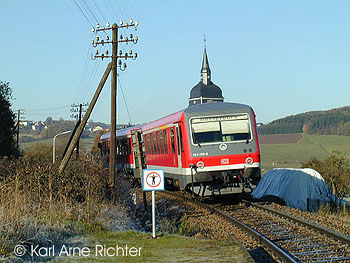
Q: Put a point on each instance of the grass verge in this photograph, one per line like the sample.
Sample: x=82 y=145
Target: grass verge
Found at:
x=165 y=248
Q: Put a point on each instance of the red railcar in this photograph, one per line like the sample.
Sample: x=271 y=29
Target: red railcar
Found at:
x=209 y=148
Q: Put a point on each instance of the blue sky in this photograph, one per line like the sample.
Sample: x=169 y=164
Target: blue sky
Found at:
x=280 y=57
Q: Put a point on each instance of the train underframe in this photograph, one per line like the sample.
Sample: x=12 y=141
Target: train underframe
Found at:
x=217 y=182
x=213 y=183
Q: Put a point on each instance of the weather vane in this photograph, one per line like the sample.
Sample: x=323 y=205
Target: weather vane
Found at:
x=205 y=41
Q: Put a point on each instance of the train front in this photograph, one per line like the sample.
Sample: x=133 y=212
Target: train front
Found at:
x=223 y=148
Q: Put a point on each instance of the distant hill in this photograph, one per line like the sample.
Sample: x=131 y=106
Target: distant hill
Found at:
x=335 y=121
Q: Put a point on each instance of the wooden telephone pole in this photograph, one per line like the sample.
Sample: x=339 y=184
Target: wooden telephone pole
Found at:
x=113 y=105
x=112 y=67
x=18 y=127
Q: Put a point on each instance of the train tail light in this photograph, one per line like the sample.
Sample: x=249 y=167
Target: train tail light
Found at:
x=200 y=165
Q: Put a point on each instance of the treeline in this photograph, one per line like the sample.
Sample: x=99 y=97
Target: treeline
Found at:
x=335 y=121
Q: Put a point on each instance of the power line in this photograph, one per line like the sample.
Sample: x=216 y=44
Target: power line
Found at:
x=76 y=17
x=99 y=10
x=48 y=109
x=89 y=10
x=126 y=105
x=83 y=13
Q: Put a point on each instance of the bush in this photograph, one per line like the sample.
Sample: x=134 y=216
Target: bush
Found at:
x=35 y=198
x=335 y=170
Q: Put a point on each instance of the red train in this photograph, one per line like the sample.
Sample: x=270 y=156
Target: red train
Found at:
x=209 y=148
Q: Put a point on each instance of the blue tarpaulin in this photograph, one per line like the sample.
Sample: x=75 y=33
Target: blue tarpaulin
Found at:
x=294 y=186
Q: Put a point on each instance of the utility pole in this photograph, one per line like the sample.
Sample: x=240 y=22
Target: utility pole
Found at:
x=81 y=126
x=18 y=124
x=17 y=127
x=78 y=116
x=115 y=56
x=111 y=65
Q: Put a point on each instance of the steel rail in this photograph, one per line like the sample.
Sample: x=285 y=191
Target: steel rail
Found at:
x=321 y=229
x=281 y=253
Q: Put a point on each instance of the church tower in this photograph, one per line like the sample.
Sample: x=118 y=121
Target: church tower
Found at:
x=205 y=91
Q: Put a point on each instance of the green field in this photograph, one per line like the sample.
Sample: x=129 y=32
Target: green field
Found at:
x=292 y=155
x=273 y=155
x=85 y=143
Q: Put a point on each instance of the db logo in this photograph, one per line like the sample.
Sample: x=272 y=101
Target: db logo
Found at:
x=225 y=161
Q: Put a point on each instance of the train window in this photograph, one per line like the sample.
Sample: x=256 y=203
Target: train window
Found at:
x=221 y=129
x=161 y=141
x=235 y=130
x=206 y=132
x=181 y=145
x=165 y=142
x=117 y=150
x=130 y=146
x=158 y=143
x=122 y=143
x=146 y=143
x=149 y=144
x=172 y=140
x=154 y=135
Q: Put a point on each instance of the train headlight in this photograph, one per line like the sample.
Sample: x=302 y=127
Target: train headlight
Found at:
x=249 y=161
x=200 y=165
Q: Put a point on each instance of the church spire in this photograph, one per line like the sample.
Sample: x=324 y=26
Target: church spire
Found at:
x=205 y=72
x=205 y=91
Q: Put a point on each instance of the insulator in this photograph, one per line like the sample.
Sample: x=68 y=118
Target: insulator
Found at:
x=121 y=36
x=136 y=38
x=131 y=36
x=108 y=24
x=120 y=52
x=126 y=56
x=92 y=41
x=97 y=38
x=135 y=55
x=107 y=37
x=131 y=21
x=97 y=25
x=136 y=23
x=96 y=51
x=120 y=62
x=121 y=22
x=107 y=52
x=124 y=65
x=130 y=52
x=93 y=29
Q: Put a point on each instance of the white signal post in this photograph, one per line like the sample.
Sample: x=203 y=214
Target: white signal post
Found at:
x=153 y=180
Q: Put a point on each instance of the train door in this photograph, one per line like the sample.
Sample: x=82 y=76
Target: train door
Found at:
x=173 y=147
x=180 y=145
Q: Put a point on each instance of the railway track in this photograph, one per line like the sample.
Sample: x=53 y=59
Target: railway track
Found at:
x=290 y=238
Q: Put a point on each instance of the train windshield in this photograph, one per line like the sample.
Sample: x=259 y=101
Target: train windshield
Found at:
x=220 y=129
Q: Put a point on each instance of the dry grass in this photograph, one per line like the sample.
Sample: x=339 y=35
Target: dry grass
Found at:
x=340 y=213
x=39 y=204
